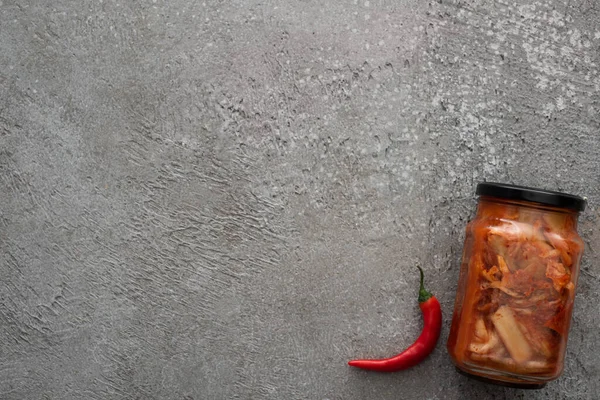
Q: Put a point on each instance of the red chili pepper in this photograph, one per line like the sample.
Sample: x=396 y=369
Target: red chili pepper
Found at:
x=421 y=348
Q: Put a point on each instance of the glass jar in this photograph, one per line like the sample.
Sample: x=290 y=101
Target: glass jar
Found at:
x=517 y=285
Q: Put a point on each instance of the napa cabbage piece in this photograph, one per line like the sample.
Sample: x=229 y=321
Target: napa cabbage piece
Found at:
x=510 y=333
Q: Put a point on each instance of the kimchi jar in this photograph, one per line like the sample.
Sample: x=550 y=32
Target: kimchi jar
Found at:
x=517 y=285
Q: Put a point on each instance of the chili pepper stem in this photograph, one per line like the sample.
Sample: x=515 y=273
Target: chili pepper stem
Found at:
x=424 y=295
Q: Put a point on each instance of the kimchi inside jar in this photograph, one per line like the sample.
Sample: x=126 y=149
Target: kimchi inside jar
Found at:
x=517 y=285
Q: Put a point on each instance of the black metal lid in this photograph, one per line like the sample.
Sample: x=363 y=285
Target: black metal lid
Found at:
x=547 y=197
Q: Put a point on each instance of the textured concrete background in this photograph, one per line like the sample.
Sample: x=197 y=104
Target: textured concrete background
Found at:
x=225 y=199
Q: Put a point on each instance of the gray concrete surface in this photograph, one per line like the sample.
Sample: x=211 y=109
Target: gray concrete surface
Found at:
x=225 y=199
